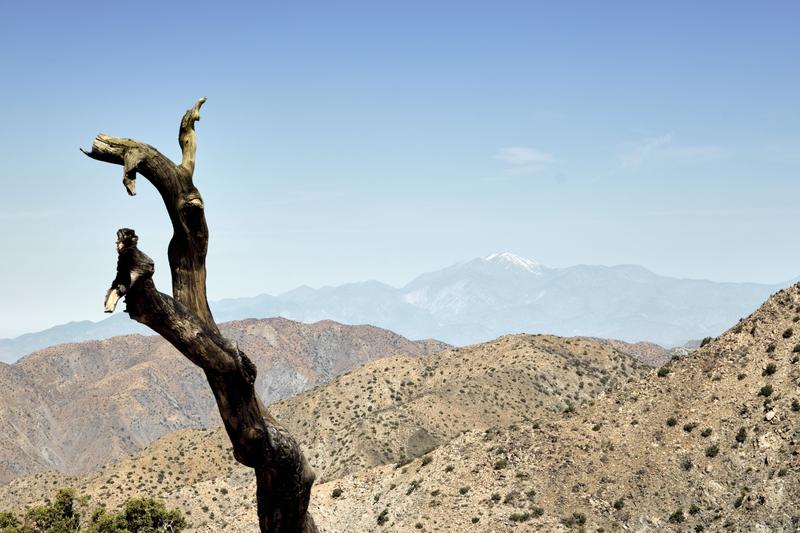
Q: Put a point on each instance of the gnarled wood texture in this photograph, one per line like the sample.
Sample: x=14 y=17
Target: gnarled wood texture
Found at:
x=284 y=477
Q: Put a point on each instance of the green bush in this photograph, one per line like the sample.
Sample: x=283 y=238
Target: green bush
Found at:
x=662 y=372
x=8 y=521
x=741 y=435
x=769 y=369
x=671 y=421
x=336 y=493
x=139 y=515
x=712 y=450
x=788 y=332
x=706 y=341
x=766 y=390
x=55 y=517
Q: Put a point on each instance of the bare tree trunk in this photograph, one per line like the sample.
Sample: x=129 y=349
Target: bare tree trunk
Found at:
x=284 y=477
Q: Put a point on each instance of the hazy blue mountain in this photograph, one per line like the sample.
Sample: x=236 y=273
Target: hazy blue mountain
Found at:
x=478 y=300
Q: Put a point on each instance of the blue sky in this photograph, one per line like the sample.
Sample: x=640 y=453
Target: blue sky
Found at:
x=345 y=141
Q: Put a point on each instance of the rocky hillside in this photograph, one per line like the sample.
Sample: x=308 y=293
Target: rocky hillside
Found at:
x=709 y=443
x=74 y=407
x=386 y=412
x=650 y=353
x=398 y=408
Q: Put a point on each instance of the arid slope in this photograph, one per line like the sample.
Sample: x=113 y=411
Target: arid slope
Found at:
x=387 y=411
x=74 y=407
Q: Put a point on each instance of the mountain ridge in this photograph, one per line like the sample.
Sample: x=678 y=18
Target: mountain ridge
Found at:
x=76 y=406
x=481 y=299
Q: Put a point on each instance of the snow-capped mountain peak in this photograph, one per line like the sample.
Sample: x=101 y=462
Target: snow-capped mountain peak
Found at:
x=510 y=259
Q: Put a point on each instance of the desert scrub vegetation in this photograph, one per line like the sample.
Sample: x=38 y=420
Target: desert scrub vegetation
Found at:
x=500 y=464
x=576 y=519
x=741 y=435
x=68 y=511
x=383 y=517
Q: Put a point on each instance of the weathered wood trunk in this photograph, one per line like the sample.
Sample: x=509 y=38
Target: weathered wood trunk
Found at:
x=284 y=477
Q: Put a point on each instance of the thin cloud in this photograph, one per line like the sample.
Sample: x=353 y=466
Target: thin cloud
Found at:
x=661 y=147
x=640 y=151
x=524 y=160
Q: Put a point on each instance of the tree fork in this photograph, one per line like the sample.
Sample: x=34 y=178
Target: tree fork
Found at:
x=283 y=476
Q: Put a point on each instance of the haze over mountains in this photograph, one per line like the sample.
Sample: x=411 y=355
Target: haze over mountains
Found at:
x=481 y=299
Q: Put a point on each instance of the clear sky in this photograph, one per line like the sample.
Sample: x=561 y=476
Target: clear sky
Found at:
x=345 y=141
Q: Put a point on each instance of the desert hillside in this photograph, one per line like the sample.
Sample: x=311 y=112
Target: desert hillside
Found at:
x=388 y=411
x=709 y=443
x=74 y=407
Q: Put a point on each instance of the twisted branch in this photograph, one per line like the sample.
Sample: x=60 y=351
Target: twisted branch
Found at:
x=284 y=477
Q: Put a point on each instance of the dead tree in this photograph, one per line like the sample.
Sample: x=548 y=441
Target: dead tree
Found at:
x=283 y=475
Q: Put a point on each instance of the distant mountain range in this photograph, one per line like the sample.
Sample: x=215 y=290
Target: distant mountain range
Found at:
x=481 y=299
